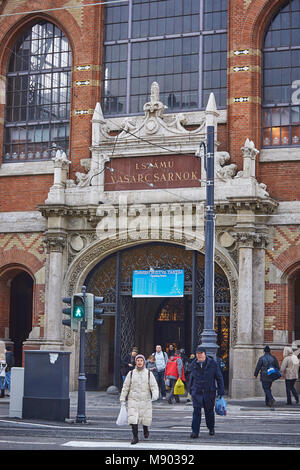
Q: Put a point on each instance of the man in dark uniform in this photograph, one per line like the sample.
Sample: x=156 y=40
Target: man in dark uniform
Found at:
x=205 y=372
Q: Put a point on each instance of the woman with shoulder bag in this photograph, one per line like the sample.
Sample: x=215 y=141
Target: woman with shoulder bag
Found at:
x=140 y=387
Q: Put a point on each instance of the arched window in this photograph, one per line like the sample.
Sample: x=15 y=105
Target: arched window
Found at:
x=281 y=79
x=181 y=44
x=37 y=95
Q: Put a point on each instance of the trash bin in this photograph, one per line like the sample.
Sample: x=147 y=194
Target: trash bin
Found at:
x=46 y=385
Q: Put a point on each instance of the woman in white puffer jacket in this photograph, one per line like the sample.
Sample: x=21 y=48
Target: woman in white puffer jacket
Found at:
x=141 y=388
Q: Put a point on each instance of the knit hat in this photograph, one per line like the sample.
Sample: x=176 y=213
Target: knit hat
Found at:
x=267 y=349
x=200 y=349
x=140 y=356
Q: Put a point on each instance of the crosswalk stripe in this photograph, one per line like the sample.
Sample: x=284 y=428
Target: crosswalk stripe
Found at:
x=113 y=445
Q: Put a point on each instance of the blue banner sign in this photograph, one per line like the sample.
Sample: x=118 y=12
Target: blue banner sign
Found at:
x=158 y=283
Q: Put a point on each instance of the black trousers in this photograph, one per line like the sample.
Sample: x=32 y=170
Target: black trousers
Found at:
x=209 y=411
x=289 y=386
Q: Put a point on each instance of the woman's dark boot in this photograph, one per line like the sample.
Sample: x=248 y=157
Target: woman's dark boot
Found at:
x=2 y=394
x=146 y=432
x=135 y=438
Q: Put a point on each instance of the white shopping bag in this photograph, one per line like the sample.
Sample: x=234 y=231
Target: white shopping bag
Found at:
x=122 y=418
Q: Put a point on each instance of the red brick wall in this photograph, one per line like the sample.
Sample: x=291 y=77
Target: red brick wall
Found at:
x=23 y=193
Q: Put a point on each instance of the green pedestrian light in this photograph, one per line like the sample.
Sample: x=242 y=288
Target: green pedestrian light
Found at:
x=78 y=307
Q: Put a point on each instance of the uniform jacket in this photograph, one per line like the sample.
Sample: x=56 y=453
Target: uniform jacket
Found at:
x=137 y=387
x=205 y=379
x=290 y=364
x=264 y=363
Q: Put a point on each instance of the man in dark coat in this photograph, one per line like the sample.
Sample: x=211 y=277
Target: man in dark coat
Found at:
x=264 y=363
x=128 y=362
x=205 y=372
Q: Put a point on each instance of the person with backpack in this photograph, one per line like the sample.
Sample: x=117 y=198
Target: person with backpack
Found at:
x=264 y=363
x=140 y=388
x=161 y=360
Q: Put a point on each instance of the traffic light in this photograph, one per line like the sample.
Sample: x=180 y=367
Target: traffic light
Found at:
x=75 y=311
x=98 y=311
x=92 y=313
x=67 y=311
x=78 y=307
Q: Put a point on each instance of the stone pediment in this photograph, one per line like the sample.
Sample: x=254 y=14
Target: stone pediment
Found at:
x=142 y=131
x=156 y=134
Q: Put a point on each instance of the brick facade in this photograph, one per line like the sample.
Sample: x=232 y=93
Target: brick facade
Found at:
x=248 y=20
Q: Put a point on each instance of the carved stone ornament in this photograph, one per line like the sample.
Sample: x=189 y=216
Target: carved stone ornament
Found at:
x=55 y=243
x=153 y=123
x=250 y=239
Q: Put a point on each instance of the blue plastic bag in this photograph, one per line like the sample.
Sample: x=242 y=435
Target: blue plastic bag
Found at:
x=274 y=373
x=220 y=407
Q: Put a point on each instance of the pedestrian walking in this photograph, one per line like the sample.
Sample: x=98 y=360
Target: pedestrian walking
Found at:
x=140 y=388
x=187 y=373
x=171 y=350
x=2 y=378
x=290 y=369
x=161 y=360
x=151 y=365
x=10 y=362
x=174 y=371
x=264 y=363
x=205 y=380
x=128 y=362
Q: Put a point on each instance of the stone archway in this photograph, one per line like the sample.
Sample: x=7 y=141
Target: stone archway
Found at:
x=97 y=252
x=17 y=295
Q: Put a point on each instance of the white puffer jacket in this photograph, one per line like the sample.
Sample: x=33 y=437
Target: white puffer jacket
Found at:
x=137 y=387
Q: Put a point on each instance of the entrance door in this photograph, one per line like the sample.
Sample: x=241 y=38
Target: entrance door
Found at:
x=20 y=323
x=171 y=325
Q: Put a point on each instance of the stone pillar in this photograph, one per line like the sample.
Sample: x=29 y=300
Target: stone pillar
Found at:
x=259 y=273
x=243 y=383
x=244 y=332
x=53 y=305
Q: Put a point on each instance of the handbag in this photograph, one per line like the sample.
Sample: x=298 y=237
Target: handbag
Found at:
x=179 y=388
x=274 y=373
x=220 y=407
x=122 y=418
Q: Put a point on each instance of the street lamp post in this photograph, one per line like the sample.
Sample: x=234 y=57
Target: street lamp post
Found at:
x=81 y=418
x=208 y=336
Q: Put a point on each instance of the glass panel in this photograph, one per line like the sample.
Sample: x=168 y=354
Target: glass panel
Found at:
x=285 y=136
x=155 y=59
x=281 y=83
x=41 y=93
x=295 y=135
x=267 y=136
x=276 y=136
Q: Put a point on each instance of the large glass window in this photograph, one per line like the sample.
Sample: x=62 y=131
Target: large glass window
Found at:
x=38 y=95
x=181 y=44
x=281 y=79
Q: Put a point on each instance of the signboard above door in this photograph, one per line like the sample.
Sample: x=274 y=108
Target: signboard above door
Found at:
x=158 y=283
x=172 y=171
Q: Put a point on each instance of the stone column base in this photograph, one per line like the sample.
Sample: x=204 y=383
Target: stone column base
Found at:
x=243 y=364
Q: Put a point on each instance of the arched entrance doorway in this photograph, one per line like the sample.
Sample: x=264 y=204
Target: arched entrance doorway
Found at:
x=20 y=318
x=132 y=322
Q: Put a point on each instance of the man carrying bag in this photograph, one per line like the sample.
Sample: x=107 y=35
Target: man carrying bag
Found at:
x=205 y=373
x=266 y=362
